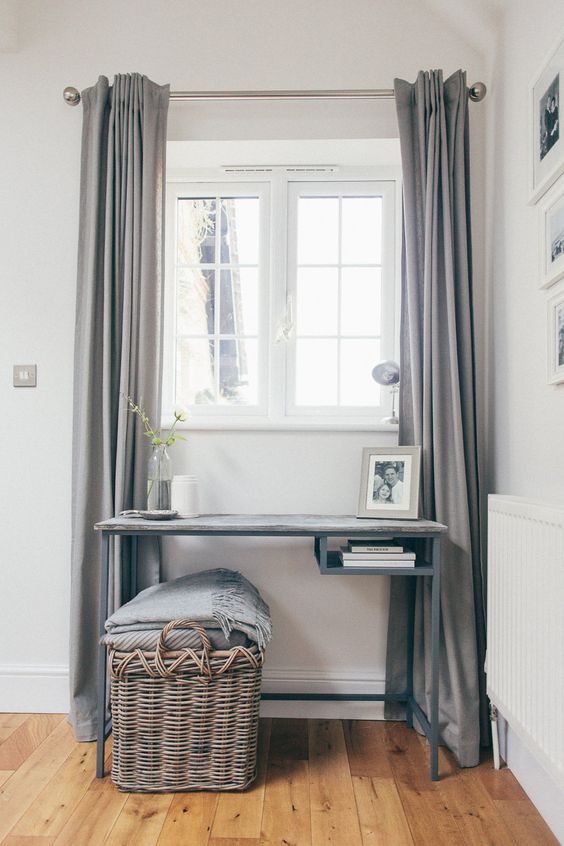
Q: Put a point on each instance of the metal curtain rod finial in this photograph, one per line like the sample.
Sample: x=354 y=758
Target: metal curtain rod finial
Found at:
x=71 y=96
x=476 y=93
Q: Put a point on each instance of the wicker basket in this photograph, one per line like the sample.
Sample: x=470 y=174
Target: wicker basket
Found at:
x=185 y=720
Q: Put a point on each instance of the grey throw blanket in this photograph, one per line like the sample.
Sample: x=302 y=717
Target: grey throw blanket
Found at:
x=177 y=639
x=214 y=598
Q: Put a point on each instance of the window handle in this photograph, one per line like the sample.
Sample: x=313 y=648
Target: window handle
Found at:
x=286 y=327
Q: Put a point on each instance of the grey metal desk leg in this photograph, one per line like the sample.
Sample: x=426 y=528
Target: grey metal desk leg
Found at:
x=103 y=614
x=133 y=567
x=435 y=632
x=411 y=587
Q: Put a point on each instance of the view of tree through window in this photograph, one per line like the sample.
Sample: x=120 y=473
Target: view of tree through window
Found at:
x=217 y=300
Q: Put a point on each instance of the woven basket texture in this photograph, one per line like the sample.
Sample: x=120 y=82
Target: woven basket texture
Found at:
x=185 y=720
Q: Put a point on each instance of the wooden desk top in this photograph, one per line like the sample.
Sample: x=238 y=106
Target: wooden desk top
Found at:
x=305 y=525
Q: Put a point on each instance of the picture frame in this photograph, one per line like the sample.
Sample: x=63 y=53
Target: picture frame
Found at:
x=551 y=235
x=546 y=132
x=389 y=483
x=555 y=334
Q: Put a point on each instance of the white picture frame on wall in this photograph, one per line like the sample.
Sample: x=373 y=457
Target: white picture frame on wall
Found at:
x=551 y=235
x=555 y=335
x=546 y=131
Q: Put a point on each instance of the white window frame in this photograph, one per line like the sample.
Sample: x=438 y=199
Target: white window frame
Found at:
x=364 y=188
x=275 y=184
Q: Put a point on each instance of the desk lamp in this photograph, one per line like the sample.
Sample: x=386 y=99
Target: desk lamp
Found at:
x=387 y=373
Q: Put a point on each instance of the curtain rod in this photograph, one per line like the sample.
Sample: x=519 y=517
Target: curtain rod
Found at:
x=476 y=93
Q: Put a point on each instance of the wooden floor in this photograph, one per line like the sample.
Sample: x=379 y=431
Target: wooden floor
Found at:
x=320 y=782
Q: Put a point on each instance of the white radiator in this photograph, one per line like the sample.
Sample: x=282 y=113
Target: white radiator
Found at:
x=525 y=658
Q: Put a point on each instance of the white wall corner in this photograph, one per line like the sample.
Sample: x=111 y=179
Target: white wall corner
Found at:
x=475 y=22
x=34 y=689
x=8 y=26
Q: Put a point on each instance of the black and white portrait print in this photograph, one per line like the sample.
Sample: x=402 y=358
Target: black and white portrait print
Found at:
x=549 y=125
x=557 y=233
x=560 y=338
x=388 y=485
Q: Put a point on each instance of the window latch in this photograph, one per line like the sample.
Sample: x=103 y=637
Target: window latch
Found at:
x=286 y=327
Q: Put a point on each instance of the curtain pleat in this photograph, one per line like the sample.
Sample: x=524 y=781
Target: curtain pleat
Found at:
x=438 y=405
x=118 y=347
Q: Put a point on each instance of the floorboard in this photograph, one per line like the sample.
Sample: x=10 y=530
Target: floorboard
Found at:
x=320 y=783
x=26 y=738
x=334 y=818
x=9 y=723
x=27 y=782
x=189 y=820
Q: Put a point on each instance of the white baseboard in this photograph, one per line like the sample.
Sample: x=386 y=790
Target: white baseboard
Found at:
x=536 y=781
x=34 y=689
x=288 y=680
x=43 y=689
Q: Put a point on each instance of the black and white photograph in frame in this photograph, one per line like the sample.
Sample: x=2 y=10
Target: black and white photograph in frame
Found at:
x=556 y=336
x=549 y=124
x=389 y=486
x=551 y=235
x=546 y=131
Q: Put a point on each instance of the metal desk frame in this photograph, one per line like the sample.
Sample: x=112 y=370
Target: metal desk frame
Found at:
x=320 y=529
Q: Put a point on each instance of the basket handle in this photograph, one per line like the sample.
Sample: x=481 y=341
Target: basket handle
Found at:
x=184 y=624
x=202 y=661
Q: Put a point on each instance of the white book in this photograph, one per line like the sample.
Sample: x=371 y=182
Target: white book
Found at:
x=367 y=547
x=347 y=555
x=380 y=565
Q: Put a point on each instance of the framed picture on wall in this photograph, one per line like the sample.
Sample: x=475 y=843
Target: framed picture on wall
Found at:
x=389 y=483
x=551 y=235
x=546 y=131
x=555 y=320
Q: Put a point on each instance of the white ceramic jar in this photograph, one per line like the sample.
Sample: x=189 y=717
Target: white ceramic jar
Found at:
x=185 y=496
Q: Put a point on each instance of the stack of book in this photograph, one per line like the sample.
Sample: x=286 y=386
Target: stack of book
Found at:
x=376 y=553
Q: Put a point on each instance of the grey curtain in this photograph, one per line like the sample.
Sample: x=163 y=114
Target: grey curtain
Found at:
x=118 y=346
x=438 y=406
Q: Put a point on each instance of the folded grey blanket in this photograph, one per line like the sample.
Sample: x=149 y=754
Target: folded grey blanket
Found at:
x=147 y=640
x=214 y=598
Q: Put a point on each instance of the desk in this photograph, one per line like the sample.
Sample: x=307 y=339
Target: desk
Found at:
x=320 y=529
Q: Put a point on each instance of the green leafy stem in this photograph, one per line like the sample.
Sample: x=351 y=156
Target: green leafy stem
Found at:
x=155 y=435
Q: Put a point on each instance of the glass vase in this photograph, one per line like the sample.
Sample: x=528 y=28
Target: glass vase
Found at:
x=159 y=478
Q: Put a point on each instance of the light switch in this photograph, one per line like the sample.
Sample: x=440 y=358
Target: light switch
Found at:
x=25 y=375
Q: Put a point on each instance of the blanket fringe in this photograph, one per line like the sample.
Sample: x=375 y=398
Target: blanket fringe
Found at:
x=230 y=606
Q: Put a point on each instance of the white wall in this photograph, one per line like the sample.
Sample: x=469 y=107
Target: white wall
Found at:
x=528 y=413
x=527 y=447
x=193 y=45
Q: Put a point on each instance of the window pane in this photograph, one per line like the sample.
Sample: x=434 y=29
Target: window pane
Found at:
x=195 y=372
x=239 y=301
x=361 y=230
x=196 y=231
x=240 y=230
x=318 y=230
x=195 y=301
x=317 y=301
x=316 y=372
x=238 y=366
x=357 y=361
x=360 y=300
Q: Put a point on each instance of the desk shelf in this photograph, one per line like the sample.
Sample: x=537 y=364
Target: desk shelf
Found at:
x=334 y=567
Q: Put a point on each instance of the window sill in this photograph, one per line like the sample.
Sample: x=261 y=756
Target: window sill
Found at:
x=265 y=425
